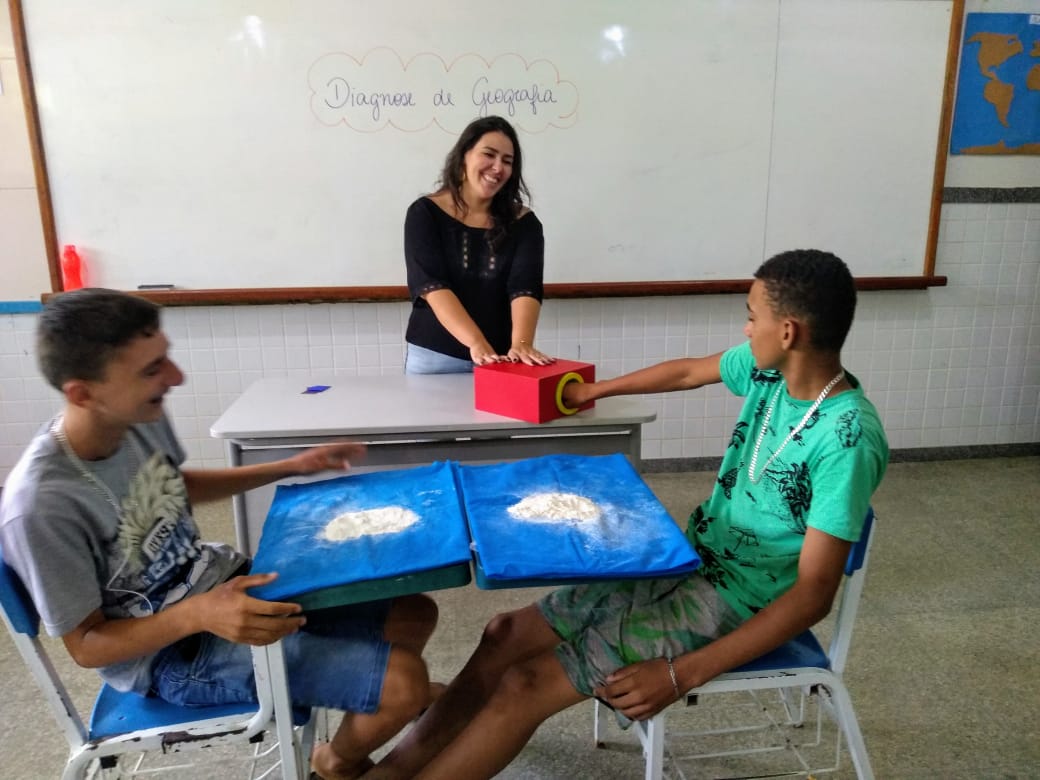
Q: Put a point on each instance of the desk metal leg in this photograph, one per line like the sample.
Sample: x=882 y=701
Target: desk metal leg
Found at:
x=238 y=502
x=292 y=769
x=271 y=657
x=635 y=447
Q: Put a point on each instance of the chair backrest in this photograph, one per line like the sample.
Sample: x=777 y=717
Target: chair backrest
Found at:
x=14 y=599
x=23 y=623
x=858 y=554
x=848 y=603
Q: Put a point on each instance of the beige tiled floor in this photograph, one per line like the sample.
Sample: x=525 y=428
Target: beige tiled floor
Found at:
x=945 y=663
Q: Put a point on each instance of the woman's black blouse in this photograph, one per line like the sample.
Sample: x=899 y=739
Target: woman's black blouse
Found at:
x=441 y=252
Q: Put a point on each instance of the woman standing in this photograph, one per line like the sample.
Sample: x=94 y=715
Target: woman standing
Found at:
x=474 y=255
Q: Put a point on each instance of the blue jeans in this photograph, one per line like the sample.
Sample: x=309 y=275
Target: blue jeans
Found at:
x=419 y=360
x=338 y=660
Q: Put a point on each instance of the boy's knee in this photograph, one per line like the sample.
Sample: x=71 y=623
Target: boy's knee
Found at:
x=406 y=685
x=502 y=630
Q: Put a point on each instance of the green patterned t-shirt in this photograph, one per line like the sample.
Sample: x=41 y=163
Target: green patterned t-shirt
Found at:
x=749 y=535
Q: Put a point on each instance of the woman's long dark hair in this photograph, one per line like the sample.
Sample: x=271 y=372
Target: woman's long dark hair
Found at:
x=508 y=201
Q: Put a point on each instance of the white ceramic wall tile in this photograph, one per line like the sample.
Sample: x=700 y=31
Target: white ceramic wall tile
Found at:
x=344 y=359
x=272 y=326
x=250 y=358
x=275 y=362
x=202 y=359
x=202 y=384
x=222 y=332
x=297 y=357
x=320 y=358
x=319 y=326
x=294 y=327
x=391 y=356
x=198 y=326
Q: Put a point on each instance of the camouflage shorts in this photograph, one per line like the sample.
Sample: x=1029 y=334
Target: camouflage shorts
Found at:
x=608 y=625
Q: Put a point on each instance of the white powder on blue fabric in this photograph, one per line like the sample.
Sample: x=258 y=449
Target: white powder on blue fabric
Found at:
x=368 y=522
x=555 y=507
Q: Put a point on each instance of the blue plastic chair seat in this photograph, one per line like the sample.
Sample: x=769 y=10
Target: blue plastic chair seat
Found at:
x=120 y=713
x=803 y=650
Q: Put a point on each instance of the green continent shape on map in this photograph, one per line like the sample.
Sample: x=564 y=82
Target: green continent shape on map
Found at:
x=994 y=50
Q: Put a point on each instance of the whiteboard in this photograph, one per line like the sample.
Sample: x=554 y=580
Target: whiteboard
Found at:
x=269 y=144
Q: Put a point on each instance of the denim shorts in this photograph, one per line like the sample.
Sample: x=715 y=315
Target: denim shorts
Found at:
x=419 y=360
x=337 y=660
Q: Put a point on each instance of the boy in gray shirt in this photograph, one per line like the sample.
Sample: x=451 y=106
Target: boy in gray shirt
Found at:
x=96 y=519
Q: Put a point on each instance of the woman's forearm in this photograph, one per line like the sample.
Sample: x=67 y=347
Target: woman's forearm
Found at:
x=525 y=311
x=450 y=313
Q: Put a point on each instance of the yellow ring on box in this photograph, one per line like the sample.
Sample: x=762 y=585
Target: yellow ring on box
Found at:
x=570 y=376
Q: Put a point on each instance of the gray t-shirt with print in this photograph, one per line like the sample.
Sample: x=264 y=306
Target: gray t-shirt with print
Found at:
x=61 y=532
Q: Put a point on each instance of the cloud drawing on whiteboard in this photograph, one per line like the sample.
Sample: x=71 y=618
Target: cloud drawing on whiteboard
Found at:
x=381 y=90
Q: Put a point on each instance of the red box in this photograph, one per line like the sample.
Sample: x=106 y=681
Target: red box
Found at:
x=530 y=393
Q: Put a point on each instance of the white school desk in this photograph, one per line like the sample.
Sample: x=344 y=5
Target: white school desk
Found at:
x=406 y=421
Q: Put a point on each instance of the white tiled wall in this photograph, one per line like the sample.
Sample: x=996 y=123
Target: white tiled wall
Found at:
x=949 y=366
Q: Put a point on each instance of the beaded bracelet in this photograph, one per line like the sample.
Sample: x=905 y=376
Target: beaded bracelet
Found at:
x=675 y=680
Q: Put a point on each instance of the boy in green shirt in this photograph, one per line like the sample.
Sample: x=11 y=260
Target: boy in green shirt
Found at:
x=806 y=454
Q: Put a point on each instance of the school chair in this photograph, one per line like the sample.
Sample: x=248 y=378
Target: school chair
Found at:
x=796 y=671
x=125 y=728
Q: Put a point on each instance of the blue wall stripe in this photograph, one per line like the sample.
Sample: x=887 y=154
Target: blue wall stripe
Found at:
x=20 y=307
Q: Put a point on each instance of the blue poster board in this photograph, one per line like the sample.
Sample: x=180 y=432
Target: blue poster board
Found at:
x=997 y=110
x=562 y=518
x=322 y=535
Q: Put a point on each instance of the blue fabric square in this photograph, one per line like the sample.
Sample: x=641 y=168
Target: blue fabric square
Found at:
x=294 y=542
x=632 y=536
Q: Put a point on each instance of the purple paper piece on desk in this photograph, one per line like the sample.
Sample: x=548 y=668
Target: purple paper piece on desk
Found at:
x=316 y=389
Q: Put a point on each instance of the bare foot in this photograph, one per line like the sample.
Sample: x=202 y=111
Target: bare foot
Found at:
x=327 y=765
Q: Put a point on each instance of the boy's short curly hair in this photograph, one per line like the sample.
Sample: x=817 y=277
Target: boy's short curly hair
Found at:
x=816 y=287
x=79 y=331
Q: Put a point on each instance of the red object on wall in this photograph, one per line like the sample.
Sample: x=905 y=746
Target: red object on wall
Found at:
x=71 y=268
x=530 y=393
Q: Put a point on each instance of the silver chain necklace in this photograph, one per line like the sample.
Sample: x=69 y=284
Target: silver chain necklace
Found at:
x=794 y=431
x=58 y=432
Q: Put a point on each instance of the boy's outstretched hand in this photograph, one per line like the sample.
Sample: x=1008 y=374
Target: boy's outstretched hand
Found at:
x=577 y=394
x=335 y=457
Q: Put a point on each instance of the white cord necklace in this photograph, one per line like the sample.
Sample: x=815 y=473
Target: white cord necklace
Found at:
x=792 y=434
x=58 y=432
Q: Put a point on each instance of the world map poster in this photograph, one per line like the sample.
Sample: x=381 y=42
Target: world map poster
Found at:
x=997 y=110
